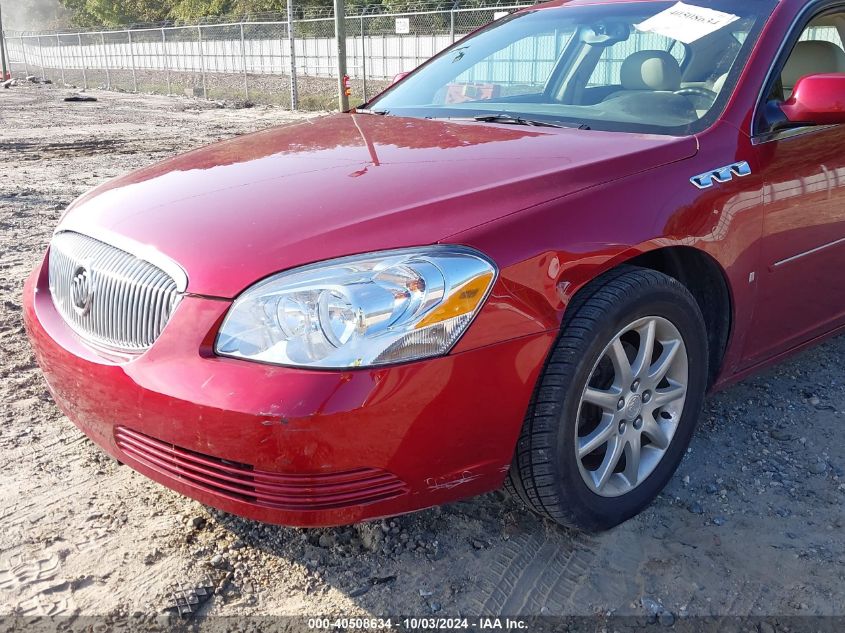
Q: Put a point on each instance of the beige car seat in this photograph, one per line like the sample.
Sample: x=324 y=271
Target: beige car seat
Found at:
x=811 y=57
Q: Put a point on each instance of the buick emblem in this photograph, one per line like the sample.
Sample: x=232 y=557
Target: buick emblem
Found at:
x=82 y=290
x=634 y=406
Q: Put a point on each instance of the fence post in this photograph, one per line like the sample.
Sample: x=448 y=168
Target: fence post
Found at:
x=5 y=62
x=41 y=57
x=23 y=51
x=82 y=59
x=416 y=46
x=294 y=92
x=61 y=57
x=132 y=61
x=340 y=36
x=166 y=60
x=4 y=68
x=452 y=24
x=106 y=59
x=202 y=62
x=243 y=63
x=363 y=59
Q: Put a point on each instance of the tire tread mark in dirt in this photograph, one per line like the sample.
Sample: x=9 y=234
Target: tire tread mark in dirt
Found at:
x=555 y=581
x=571 y=572
x=517 y=555
x=534 y=569
x=71 y=148
x=546 y=553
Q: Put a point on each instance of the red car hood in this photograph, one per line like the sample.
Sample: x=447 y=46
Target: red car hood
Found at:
x=239 y=210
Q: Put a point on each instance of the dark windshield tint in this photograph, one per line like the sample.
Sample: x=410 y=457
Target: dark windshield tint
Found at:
x=657 y=67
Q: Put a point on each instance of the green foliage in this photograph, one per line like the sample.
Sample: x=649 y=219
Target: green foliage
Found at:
x=259 y=6
x=126 y=12
x=117 y=12
x=187 y=10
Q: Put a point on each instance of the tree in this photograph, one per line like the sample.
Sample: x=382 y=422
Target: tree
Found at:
x=117 y=12
x=188 y=10
x=126 y=12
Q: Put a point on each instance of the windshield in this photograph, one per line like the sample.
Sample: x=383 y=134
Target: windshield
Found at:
x=656 y=67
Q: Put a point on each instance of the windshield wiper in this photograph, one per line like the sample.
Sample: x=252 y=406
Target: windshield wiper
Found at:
x=513 y=119
x=518 y=120
x=370 y=111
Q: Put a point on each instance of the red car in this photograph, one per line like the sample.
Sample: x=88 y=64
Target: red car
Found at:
x=524 y=264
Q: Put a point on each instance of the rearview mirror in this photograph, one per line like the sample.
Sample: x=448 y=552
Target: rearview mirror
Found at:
x=817 y=100
x=604 y=33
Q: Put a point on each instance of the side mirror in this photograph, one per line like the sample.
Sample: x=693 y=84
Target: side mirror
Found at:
x=817 y=100
x=400 y=77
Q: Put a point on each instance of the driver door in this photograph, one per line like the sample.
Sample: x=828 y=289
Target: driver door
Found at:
x=801 y=292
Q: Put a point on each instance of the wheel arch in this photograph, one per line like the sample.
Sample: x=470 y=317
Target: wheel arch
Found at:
x=708 y=283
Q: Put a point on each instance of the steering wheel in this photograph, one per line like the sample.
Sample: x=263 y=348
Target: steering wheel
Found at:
x=700 y=98
x=695 y=91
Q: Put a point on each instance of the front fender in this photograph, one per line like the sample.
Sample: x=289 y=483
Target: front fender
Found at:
x=549 y=252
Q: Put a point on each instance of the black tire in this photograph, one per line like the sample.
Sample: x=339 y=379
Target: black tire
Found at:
x=545 y=473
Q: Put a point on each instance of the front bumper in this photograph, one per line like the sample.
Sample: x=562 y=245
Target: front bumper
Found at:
x=289 y=446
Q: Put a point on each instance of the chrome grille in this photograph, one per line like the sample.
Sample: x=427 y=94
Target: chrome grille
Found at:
x=111 y=298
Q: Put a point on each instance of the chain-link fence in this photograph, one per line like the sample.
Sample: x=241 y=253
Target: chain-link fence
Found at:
x=259 y=61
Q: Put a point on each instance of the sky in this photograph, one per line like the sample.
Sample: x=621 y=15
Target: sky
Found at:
x=30 y=15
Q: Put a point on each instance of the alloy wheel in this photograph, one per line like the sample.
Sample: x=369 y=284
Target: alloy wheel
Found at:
x=631 y=406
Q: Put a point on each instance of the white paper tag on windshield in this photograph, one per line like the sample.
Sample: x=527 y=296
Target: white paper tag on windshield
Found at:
x=686 y=22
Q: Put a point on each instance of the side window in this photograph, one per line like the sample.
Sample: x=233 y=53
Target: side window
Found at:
x=607 y=70
x=523 y=67
x=818 y=50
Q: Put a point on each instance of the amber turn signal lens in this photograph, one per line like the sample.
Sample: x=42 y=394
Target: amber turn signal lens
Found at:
x=463 y=301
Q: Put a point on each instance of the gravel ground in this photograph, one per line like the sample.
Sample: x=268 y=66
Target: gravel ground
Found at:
x=752 y=524
x=315 y=93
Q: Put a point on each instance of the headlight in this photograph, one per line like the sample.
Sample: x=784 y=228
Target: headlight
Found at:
x=360 y=311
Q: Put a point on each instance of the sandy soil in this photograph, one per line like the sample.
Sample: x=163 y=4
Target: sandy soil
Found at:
x=751 y=524
x=315 y=93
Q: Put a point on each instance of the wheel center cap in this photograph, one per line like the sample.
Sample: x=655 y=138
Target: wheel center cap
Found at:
x=634 y=406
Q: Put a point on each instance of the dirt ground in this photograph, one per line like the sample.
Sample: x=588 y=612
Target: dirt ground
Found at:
x=752 y=524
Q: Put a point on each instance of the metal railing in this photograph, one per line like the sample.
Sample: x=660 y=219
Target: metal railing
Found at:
x=290 y=63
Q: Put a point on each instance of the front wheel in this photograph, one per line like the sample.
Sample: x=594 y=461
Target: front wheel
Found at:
x=617 y=402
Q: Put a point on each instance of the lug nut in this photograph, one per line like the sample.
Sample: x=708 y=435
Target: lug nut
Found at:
x=621 y=427
x=638 y=423
x=635 y=386
x=620 y=404
x=646 y=396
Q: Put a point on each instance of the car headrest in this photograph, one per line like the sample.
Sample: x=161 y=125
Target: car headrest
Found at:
x=810 y=58
x=650 y=70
